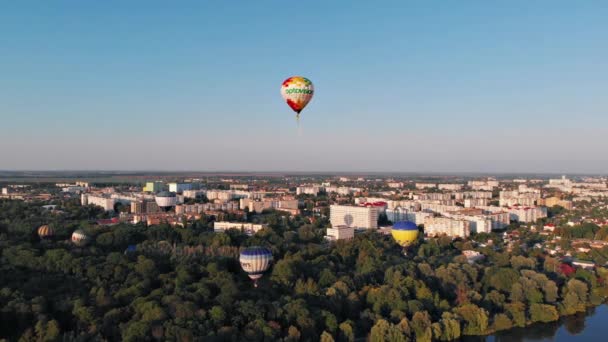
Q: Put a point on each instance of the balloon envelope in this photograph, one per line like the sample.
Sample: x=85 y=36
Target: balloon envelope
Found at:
x=405 y=233
x=255 y=261
x=297 y=92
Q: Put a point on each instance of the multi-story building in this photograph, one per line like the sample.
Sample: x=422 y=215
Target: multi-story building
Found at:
x=552 y=201
x=452 y=187
x=435 y=196
x=475 y=202
x=193 y=193
x=418 y=217
x=309 y=190
x=138 y=207
x=355 y=217
x=178 y=188
x=436 y=226
x=527 y=214
x=248 y=228
x=472 y=194
x=490 y=182
x=152 y=207
x=510 y=198
x=395 y=185
x=101 y=201
x=438 y=208
x=426 y=185
x=245 y=187
x=340 y=233
x=154 y=187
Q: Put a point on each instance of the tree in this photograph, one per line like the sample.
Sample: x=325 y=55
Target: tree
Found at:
x=421 y=324
x=476 y=319
x=543 y=313
x=346 y=332
x=326 y=337
x=501 y=322
x=385 y=331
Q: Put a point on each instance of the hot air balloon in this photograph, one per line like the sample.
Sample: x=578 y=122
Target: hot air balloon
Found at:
x=80 y=238
x=255 y=261
x=297 y=92
x=405 y=233
x=45 y=232
x=165 y=200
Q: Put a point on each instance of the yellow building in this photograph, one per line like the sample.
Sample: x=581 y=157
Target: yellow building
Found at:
x=154 y=187
x=551 y=201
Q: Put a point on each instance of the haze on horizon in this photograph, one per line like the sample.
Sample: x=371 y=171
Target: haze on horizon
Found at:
x=470 y=86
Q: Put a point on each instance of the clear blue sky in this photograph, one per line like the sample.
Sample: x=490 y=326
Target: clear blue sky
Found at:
x=400 y=85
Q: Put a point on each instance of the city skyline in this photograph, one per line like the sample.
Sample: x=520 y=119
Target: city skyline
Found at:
x=472 y=87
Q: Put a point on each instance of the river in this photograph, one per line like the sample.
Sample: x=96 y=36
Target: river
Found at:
x=588 y=327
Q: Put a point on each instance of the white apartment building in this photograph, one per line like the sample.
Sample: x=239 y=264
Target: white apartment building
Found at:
x=438 y=208
x=309 y=190
x=477 y=224
x=417 y=217
x=340 y=233
x=488 y=182
x=525 y=188
x=510 y=198
x=193 y=193
x=355 y=217
x=436 y=226
x=484 y=187
x=248 y=228
x=472 y=194
x=178 y=188
x=452 y=187
x=475 y=202
x=395 y=185
x=106 y=203
x=226 y=195
x=436 y=196
x=527 y=214
x=426 y=185
x=342 y=190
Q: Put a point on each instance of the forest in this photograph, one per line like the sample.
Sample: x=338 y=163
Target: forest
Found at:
x=138 y=283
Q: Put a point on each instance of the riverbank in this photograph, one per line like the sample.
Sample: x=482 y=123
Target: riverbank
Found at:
x=586 y=326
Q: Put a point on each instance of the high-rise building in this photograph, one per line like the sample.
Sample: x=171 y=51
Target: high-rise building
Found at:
x=436 y=226
x=352 y=216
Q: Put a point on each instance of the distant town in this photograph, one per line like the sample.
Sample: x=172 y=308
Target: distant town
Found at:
x=352 y=204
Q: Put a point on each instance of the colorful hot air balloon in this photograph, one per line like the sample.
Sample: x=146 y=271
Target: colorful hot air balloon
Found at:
x=255 y=261
x=80 y=238
x=405 y=233
x=297 y=92
x=46 y=232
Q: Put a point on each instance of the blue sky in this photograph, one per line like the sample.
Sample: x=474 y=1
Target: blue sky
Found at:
x=400 y=85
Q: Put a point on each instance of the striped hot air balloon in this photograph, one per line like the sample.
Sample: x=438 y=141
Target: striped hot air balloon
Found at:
x=255 y=261
x=80 y=238
x=405 y=233
x=46 y=232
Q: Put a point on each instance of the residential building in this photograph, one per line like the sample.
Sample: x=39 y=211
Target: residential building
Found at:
x=248 y=228
x=340 y=233
x=437 y=226
x=154 y=187
x=426 y=185
x=101 y=201
x=452 y=187
x=354 y=216
x=178 y=188
x=475 y=202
